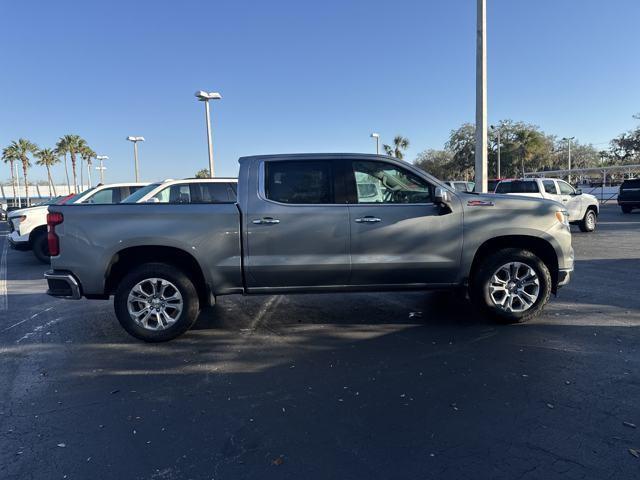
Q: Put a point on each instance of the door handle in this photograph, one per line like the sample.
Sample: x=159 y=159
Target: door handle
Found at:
x=565 y=199
x=368 y=219
x=266 y=221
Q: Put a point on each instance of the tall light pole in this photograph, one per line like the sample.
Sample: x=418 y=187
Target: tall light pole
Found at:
x=498 y=131
x=377 y=137
x=569 y=140
x=481 y=98
x=101 y=168
x=135 y=141
x=205 y=97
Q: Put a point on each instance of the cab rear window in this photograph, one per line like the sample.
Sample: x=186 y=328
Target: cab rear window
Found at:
x=517 y=187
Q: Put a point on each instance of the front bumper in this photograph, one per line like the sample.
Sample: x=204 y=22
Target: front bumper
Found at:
x=63 y=285
x=564 y=276
x=17 y=242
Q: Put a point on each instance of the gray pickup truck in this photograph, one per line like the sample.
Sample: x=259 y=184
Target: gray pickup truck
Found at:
x=310 y=223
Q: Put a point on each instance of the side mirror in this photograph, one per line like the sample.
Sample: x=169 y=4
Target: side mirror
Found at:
x=152 y=200
x=578 y=191
x=441 y=196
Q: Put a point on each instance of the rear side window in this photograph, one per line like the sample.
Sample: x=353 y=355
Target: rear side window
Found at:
x=549 y=186
x=517 y=187
x=299 y=182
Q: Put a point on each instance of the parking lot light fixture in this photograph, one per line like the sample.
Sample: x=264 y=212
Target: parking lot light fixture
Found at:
x=135 y=141
x=569 y=140
x=377 y=137
x=101 y=167
x=203 y=96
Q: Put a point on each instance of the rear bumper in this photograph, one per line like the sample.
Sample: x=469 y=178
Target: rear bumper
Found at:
x=63 y=285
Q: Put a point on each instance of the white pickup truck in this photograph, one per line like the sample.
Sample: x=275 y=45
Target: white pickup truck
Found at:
x=583 y=208
x=28 y=226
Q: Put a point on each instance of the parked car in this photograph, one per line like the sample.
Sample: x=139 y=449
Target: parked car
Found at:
x=301 y=224
x=190 y=190
x=28 y=226
x=583 y=208
x=493 y=183
x=461 y=186
x=629 y=195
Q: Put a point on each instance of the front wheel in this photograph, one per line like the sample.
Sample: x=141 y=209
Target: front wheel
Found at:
x=626 y=209
x=156 y=302
x=40 y=247
x=511 y=285
x=588 y=222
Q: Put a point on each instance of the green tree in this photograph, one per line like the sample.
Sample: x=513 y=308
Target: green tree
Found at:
x=62 y=149
x=400 y=144
x=87 y=155
x=72 y=144
x=625 y=148
x=436 y=162
x=23 y=149
x=204 y=173
x=47 y=157
x=10 y=156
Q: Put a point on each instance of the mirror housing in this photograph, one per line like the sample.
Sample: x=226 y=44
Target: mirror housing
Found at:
x=578 y=191
x=152 y=200
x=441 y=196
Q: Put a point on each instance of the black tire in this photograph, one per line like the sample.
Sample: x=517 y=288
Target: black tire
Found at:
x=626 y=209
x=184 y=320
x=589 y=221
x=40 y=247
x=479 y=287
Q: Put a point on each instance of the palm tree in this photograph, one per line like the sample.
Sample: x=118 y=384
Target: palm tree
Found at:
x=400 y=144
x=23 y=148
x=61 y=149
x=87 y=154
x=9 y=155
x=73 y=144
x=47 y=157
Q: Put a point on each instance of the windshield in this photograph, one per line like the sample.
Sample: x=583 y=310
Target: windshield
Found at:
x=134 y=197
x=73 y=199
x=517 y=187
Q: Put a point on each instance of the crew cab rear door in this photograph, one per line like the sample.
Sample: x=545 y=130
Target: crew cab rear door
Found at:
x=399 y=236
x=297 y=226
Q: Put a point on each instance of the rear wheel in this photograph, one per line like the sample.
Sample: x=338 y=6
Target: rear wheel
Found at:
x=156 y=302
x=40 y=247
x=626 y=209
x=512 y=285
x=588 y=223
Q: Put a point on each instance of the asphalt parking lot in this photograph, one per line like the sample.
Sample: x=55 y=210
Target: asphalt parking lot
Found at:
x=394 y=385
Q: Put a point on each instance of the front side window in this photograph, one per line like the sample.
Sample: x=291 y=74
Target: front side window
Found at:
x=549 y=186
x=379 y=182
x=105 y=196
x=299 y=182
x=565 y=188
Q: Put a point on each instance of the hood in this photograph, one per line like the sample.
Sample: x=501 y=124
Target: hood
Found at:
x=507 y=202
x=27 y=211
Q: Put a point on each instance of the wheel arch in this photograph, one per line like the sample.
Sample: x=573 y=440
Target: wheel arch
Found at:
x=536 y=245
x=41 y=229
x=126 y=259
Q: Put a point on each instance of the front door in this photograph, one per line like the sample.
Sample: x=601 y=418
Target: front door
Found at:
x=398 y=235
x=571 y=201
x=297 y=231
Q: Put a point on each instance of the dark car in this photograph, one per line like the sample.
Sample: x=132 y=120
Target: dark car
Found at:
x=629 y=195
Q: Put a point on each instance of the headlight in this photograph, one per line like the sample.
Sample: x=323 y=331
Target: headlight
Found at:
x=563 y=217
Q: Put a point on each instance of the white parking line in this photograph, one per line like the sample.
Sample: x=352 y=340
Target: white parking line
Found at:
x=4 y=303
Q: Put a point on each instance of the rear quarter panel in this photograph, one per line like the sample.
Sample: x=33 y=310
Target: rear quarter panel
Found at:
x=91 y=235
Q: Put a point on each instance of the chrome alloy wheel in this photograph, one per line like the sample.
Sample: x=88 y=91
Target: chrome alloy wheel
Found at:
x=514 y=287
x=591 y=220
x=155 y=304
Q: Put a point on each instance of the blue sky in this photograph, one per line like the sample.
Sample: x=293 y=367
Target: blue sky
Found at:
x=305 y=76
